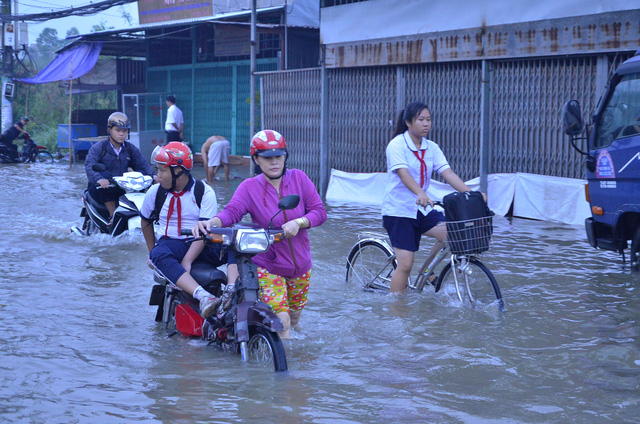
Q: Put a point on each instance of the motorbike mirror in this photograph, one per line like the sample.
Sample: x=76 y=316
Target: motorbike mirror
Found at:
x=572 y=123
x=99 y=167
x=289 y=202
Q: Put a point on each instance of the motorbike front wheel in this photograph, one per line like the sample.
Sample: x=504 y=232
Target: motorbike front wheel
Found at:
x=266 y=346
x=44 y=156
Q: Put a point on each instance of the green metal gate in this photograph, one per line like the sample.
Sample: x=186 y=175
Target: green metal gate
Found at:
x=213 y=97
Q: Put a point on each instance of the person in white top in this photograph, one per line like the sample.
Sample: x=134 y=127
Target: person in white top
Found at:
x=174 y=125
x=185 y=202
x=407 y=210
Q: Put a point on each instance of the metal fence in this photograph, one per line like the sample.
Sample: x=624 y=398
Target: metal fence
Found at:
x=213 y=97
x=290 y=104
x=525 y=102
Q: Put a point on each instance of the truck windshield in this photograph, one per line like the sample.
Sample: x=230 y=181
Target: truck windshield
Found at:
x=621 y=115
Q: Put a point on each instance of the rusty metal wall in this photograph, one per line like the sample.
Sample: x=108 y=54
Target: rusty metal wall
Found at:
x=452 y=92
x=526 y=100
x=528 y=96
x=362 y=102
x=576 y=35
x=291 y=105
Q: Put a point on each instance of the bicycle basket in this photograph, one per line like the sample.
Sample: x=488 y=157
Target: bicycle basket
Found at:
x=471 y=236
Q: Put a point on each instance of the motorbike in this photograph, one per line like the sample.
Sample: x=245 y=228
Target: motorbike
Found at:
x=247 y=325
x=126 y=216
x=31 y=152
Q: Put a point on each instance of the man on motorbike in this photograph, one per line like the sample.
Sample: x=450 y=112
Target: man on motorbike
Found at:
x=118 y=155
x=186 y=202
x=11 y=134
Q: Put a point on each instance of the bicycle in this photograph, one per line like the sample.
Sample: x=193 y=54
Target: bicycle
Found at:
x=30 y=152
x=371 y=262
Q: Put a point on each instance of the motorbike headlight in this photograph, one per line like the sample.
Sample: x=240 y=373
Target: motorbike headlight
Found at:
x=252 y=241
x=134 y=181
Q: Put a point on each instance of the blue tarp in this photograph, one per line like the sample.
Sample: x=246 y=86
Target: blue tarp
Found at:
x=83 y=58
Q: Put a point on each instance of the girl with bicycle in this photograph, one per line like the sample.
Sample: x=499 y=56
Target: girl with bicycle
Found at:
x=407 y=210
x=284 y=270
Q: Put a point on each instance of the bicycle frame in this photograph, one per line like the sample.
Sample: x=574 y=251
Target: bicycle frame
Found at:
x=427 y=269
x=429 y=266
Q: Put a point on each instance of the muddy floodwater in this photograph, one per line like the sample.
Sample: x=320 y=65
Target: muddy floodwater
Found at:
x=79 y=344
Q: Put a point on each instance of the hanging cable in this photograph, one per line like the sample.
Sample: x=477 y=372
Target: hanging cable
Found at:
x=90 y=9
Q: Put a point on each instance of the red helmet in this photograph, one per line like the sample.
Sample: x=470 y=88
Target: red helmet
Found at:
x=174 y=154
x=268 y=143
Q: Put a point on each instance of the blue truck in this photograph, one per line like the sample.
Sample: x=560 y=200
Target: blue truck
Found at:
x=612 y=161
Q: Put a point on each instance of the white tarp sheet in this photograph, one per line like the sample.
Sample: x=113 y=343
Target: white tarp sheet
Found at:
x=376 y=19
x=533 y=196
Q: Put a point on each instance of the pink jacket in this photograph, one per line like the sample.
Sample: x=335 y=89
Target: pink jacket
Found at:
x=292 y=257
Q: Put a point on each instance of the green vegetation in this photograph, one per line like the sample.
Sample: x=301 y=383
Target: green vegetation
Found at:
x=47 y=105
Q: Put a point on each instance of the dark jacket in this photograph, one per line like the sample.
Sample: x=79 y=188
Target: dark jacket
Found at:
x=12 y=132
x=102 y=152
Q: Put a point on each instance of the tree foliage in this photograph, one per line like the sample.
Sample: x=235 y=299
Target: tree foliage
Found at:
x=47 y=105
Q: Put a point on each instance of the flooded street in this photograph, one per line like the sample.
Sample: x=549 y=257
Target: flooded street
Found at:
x=80 y=344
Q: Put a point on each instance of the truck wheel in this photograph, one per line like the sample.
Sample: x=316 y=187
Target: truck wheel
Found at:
x=635 y=250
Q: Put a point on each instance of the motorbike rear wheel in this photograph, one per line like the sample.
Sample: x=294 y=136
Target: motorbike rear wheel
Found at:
x=170 y=325
x=266 y=346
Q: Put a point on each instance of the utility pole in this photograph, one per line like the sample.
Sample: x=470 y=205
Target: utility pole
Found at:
x=252 y=83
x=7 y=67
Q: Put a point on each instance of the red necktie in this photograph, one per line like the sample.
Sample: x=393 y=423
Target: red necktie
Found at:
x=423 y=166
x=171 y=204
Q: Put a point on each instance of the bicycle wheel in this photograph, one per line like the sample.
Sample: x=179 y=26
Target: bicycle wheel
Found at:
x=266 y=346
x=476 y=284
x=370 y=265
x=44 y=156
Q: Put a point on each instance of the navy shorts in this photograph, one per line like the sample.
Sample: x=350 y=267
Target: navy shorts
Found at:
x=168 y=253
x=405 y=233
x=103 y=195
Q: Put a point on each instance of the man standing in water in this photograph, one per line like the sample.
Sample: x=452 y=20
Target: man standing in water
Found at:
x=218 y=153
x=174 y=125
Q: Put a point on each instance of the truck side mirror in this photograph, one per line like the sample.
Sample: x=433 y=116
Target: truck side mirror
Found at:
x=572 y=123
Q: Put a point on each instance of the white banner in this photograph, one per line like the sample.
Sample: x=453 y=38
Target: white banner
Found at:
x=533 y=196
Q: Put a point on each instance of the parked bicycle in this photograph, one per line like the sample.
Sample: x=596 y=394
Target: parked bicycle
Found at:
x=30 y=152
x=463 y=277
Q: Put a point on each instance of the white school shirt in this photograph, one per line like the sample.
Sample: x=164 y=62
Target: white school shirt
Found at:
x=398 y=199
x=190 y=212
x=174 y=116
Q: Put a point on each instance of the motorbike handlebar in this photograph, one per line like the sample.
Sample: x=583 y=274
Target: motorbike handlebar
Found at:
x=216 y=234
x=98 y=186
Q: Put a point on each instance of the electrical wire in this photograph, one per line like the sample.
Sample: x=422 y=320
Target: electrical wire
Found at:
x=89 y=9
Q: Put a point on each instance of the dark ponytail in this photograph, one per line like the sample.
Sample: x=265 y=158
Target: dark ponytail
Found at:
x=408 y=114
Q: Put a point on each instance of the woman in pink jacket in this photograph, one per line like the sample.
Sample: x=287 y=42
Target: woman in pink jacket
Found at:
x=284 y=270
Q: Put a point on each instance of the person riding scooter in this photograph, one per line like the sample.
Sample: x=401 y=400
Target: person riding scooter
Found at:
x=117 y=155
x=11 y=134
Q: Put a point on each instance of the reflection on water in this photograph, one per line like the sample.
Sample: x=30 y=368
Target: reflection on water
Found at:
x=80 y=343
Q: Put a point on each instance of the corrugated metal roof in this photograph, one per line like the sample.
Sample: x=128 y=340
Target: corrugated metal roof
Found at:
x=185 y=22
